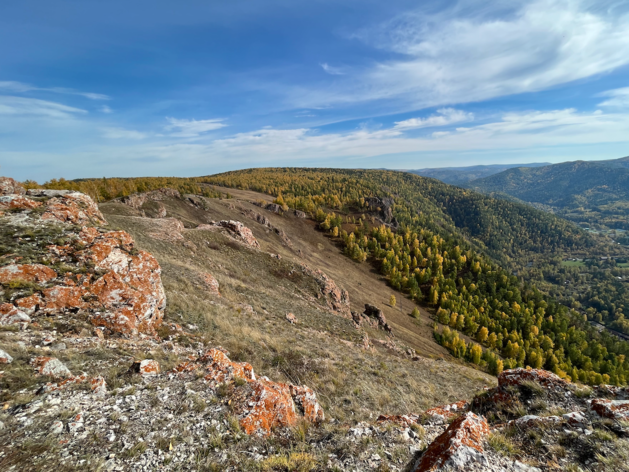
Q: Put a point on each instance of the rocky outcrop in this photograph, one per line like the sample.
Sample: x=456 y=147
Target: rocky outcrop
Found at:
x=8 y=186
x=459 y=448
x=383 y=206
x=441 y=414
x=336 y=298
x=376 y=314
x=260 y=404
x=137 y=200
x=241 y=232
x=105 y=277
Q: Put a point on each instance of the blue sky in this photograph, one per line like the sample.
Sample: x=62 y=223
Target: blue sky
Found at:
x=92 y=88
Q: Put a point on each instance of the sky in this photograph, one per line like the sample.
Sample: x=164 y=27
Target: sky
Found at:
x=161 y=88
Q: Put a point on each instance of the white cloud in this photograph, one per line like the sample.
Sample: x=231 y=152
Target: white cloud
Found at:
x=20 y=87
x=105 y=109
x=445 y=116
x=476 y=50
x=20 y=106
x=514 y=131
x=192 y=128
x=618 y=98
x=331 y=70
x=121 y=133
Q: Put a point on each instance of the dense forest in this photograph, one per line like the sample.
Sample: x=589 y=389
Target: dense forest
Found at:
x=454 y=250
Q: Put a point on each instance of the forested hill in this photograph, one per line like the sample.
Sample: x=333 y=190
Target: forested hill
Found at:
x=431 y=257
x=504 y=229
x=462 y=175
x=583 y=191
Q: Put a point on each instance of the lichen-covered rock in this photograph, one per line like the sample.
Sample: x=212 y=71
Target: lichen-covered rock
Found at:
x=241 y=231
x=98 y=386
x=263 y=405
x=17 y=202
x=260 y=404
x=10 y=315
x=613 y=409
x=145 y=367
x=459 y=448
x=75 y=208
x=220 y=369
x=441 y=414
x=211 y=283
x=51 y=366
x=8 y=186
x=27 y=273
x=5 y=357
x=307 y=403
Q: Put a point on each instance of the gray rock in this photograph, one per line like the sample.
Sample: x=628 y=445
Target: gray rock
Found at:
x=5 y=358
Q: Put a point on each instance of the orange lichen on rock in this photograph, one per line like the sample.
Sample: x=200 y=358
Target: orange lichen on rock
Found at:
x=263 y=405
x=260 y=404
x=75 y=208
x=307 y=403
x=445 y=412
x=17 y=202
x=50 y=366
x=29 y=304
x=27 y=273
x=145 y=367
x=10 y=315
x=221 y=369
x=460 y=447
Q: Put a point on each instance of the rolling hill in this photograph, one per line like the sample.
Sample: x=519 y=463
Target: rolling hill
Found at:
x=589 y=192
x=461 y=175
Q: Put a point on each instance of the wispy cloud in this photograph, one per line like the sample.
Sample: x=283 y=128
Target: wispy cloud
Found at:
x=477 y=50
x=331 y=70
x=444 y=117
x=20 y=87
x=105 y=109
x=21 y=106
x=617 y=98
x=192 y=128
x=121 y=133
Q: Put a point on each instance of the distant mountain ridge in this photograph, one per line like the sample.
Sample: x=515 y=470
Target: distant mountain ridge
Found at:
x=583 y=191
x=462 y=175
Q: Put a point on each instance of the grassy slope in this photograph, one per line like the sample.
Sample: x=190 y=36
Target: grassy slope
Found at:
x=351 y=381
